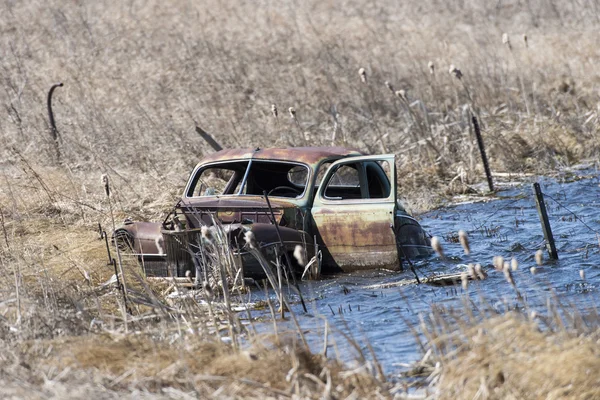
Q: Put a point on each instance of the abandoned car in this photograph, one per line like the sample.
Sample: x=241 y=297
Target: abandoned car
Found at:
x=329 y=200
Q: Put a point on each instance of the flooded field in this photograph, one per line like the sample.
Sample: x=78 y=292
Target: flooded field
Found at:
x=507 y=225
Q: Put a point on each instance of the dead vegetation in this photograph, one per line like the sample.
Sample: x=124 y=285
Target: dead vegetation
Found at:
x=500 y=356
x=139 y=76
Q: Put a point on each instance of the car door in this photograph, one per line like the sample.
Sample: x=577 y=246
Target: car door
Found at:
x=353 y=213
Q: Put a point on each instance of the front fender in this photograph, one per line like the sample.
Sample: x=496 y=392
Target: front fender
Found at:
x=143 y=238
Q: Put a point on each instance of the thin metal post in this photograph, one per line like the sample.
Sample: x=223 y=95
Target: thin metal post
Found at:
x=541 y=208
x=484 y=158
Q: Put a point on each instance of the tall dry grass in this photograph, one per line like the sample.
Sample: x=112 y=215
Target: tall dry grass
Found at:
x=138 y=76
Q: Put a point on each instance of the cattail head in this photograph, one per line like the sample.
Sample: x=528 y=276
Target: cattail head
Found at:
x=208 y=291
x=455 y=71
x=582 y=274
x=299 y=255
x=464 y=279
x=188 y=275
x=401 y=94
x=498 y=262
x=514 y=264
x=539 y=257
x=292 y=112
x=525 y=40
x=506 y=40
x=251 y=240
x=509 y=277
x=471 y=271
x=431 y=66
x=206 y=233
x=274 y=110
x=506 y=266
x=464 y=241
x=389 y=86
x=480 y=272
x=104 y=180
x=437 y=246
x=363 y=75
x=533 y=270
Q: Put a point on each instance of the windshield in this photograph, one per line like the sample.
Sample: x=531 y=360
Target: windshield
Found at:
x=278 y=179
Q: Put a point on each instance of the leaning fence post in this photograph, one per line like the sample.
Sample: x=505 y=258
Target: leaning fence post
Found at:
x=53 y=131
x=541 y=208
x=484 y=158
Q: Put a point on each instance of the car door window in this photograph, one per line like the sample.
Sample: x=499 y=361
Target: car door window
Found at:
x=362 y=180
x=344 y=183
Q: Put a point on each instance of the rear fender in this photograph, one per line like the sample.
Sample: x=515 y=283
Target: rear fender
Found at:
x=266 y=235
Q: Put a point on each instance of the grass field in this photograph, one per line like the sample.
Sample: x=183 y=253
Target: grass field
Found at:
x=138 y=76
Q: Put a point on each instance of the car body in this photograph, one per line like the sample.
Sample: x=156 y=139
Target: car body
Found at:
x=331 y=199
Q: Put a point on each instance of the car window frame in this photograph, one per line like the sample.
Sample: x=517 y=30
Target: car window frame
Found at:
x=197 y=172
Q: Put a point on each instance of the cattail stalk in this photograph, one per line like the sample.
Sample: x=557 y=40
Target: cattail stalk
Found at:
x=506 y=42
x=123 y=283
x=464 y=241
x=294 y=118
x=275 y=113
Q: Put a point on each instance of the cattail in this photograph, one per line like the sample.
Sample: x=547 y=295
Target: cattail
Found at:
x=299 y=255
x=539 y=257
x=525 y=40
x=471 y=271
x=506 y=40
x=292 y=111
x=582 y=274
x=363 y=75
x=498 y=262
x=401 y=94
x=506 y=266
x=431 y=66
x=188 y=275
x=206 y=233
x=104 y=180
x=508 y=276
x=455 y=71
x=389 y=86
x=533 y=315
x=208 y=291
x=464 y=279
x=514 y=264
x=480 y=272
x=533 y=270
x=464 y=241
x=437 y=246
x=274 y=110
x=251 y=240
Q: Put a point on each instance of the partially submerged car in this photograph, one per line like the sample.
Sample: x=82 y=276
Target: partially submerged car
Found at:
x=332 y=199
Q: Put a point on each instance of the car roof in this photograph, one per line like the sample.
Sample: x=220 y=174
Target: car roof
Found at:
x=308 y=155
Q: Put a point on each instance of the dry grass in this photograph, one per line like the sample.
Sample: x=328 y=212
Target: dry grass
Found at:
x=138 y=76
x=514 y=357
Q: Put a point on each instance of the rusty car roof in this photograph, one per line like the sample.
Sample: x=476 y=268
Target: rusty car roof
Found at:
x=308 y=155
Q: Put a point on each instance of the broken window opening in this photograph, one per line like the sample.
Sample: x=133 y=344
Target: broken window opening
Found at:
x=364 y=180
x=278 y=179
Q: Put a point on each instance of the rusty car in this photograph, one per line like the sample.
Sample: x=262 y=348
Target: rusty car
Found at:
x=333 y=201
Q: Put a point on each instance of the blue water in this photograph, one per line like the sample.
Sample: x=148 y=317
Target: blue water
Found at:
x=506 y=224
